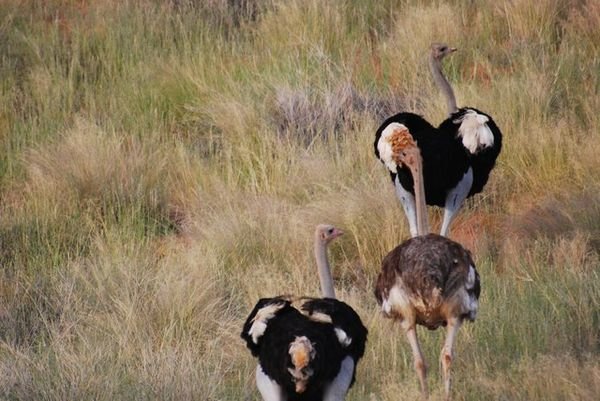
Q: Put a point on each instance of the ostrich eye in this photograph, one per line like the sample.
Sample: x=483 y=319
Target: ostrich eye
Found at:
x=443 y=48
x=330 y=231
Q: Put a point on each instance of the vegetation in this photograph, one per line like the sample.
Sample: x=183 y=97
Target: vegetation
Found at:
x=163 y=165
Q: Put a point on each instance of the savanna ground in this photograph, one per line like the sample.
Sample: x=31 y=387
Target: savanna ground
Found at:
x=163 y=165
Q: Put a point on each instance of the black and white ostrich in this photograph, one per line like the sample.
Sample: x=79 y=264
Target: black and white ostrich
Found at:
x=307 y=348
x=457 y=156
x=428 y=280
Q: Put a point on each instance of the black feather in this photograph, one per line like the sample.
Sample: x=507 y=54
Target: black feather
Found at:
x=483 y=161
x=445 y=159
x=288 y=323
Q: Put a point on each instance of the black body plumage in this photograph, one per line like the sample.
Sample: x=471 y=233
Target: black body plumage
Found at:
x=445 y=159
x=483 y=161
x=294 y=320
x=344 y=317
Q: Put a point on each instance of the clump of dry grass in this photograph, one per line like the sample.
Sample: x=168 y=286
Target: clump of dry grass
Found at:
x=304 y=116
x=130 y=313
x=561 y=232
x=547 y=377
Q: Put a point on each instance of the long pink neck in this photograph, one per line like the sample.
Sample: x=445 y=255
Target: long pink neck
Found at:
x=416 y=169
x=325 y=278
x=435 y=65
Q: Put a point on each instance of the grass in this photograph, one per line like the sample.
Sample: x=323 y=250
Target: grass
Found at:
x=163 y=165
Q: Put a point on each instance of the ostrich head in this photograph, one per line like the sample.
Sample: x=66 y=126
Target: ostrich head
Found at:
x=326 y=232
x=441 y=50
x=406 y=152
x=404 y=149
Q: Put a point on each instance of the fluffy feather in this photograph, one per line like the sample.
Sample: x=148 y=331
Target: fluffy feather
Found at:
x=262 y=317
x=303 y=344
x=342 y=337
x=387 y=145
x=474 y=131
x=302 y=352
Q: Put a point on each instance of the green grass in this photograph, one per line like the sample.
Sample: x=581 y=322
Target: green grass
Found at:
x=163 y=165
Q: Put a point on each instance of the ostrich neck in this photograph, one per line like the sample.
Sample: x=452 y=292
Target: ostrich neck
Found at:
x=435 y=66
x=416 y=170
x=324 y=270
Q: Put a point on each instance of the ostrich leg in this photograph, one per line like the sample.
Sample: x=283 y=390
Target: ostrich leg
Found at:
x=455 y=199
x=269 y=390
x=420 y=365
x=338 y=388
x=446 y=354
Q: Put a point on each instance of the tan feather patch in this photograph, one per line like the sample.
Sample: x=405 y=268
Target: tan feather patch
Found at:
x=400 y=140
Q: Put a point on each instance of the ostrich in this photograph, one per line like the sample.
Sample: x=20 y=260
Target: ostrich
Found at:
x=307 y=348
x=457 y=156
x=429 y=279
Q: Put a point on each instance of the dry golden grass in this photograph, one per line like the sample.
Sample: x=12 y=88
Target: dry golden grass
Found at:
x=164 y=164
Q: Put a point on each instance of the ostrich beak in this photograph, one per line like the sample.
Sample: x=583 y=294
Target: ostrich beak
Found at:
x=337 y=233
x=453 y=49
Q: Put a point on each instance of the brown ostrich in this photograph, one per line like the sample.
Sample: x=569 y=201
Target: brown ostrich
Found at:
x=429 y=279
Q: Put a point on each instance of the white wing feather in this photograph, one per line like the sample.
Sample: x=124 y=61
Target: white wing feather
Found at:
x=384 y=147
x=474 y=131
x=261 y=319
x=342 y=337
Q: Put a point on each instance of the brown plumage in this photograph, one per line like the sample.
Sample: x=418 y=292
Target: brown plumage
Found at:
x=436 y=275
x=428 y=280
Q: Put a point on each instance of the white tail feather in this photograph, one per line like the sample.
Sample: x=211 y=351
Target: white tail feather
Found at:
x=474 y=131
x=386 y=153
x=318 y=317
x=260 y=320
x=471 y=303
x=470 y=284
x=342 y=337
x=302 y=352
